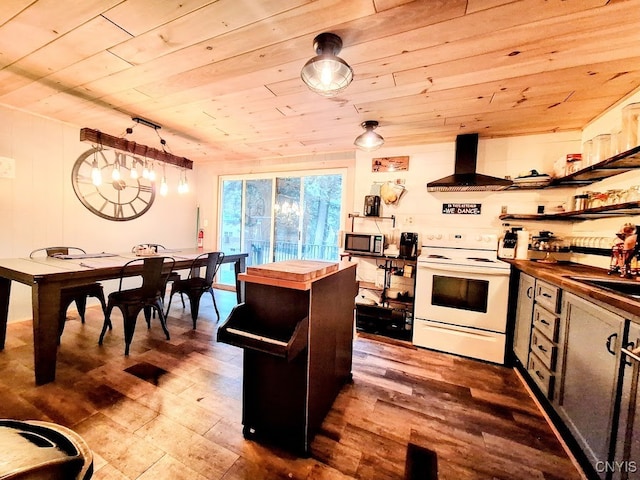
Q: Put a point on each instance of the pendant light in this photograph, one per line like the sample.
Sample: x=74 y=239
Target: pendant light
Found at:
x=369 y=140
x=327 y=74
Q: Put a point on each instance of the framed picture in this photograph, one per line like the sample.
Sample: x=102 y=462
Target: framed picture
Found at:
x=390 y=164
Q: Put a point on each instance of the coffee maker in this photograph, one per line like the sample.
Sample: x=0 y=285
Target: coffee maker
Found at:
x=372 y=206
x=408 y=244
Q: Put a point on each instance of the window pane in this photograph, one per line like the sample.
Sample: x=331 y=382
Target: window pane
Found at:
x=257 y=221
x=321 y=220
x=287 y=219
x=230 y=236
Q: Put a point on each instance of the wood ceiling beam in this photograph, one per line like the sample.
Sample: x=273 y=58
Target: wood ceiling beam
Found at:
x=99 y=138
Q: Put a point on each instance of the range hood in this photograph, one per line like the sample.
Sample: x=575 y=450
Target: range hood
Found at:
x=465 y=178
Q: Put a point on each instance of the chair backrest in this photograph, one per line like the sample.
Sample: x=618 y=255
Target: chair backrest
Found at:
x=155 y=271
x=214 y=260
x=52 y=251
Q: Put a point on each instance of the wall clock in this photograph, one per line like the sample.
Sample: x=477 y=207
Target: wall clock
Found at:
x=119 y=200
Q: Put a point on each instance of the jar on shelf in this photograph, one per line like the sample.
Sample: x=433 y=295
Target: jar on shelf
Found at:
x=580 y=201
x=601 y=148
x=632 y=194
x=630 y=117
x=598 y=199
x=614 y=197
x=587 y=152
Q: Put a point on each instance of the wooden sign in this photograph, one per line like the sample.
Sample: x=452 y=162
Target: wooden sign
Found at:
x=461 y=208
x=389 y=164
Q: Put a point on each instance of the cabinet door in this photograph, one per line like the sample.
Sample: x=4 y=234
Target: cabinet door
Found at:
x=524 y=311
x=627 y=459
x=591 y=353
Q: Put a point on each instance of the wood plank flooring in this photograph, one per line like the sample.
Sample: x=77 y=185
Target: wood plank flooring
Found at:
x=173 y=410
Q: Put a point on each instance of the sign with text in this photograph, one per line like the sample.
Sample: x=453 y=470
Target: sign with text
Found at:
x=461 y=208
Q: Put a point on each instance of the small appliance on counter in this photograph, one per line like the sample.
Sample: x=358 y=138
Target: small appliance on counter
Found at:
x=507 y=247
x=371 y=206
x=549 y=246
x=408 y=244
x=364 y=243
x=514 y=244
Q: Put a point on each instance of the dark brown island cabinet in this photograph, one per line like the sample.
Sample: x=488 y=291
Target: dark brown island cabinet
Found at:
x=296 y=328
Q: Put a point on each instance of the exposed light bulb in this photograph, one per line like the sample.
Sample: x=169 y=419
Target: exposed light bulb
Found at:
x=145 y=170
x=152 y=174
x=326 y=73
x=133 y=173
x=96 y=174
x=115 y=173
x=164 y=188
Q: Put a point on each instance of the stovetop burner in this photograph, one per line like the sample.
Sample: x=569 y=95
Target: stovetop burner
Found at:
x=478 y=259
x=433 y=255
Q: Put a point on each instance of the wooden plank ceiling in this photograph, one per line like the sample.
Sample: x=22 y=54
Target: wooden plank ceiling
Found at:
x=223 y=77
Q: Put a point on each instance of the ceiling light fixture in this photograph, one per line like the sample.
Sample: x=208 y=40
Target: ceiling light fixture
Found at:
x=327 y=74
x=369 y=140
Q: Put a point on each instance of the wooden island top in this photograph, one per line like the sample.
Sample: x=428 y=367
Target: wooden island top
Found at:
x=295 y=274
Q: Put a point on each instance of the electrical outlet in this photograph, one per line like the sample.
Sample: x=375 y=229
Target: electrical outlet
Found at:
x=409 y=220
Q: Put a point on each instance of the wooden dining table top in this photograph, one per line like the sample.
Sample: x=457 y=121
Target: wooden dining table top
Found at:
x=78 y=269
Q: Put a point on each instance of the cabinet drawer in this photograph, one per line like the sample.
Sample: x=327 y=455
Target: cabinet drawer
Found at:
x=548 y=296
x=546 y=322
x=544 y=348
x=541 y=375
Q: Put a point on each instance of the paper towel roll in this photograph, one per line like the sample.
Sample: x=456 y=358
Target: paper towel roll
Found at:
x=522 y=246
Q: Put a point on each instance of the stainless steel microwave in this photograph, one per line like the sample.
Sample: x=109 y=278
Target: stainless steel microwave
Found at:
x=364 y=243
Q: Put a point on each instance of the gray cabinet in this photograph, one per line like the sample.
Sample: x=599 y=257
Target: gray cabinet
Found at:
x=626 y=464
x=544 y=336
x=524 y=313
x=589 y=360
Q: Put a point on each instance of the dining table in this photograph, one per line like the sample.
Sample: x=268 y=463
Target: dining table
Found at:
x=47 y=276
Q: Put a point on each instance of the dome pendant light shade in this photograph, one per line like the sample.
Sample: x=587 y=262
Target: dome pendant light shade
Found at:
x=327 y=74
x=369 y=140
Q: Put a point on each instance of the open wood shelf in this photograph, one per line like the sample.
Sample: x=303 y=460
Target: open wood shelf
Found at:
x=620 y=163
x=619 y=210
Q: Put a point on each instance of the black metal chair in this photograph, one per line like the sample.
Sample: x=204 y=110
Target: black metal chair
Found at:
x=158 y=248
x=77 y=294
x=195 y=286
x=147 y=297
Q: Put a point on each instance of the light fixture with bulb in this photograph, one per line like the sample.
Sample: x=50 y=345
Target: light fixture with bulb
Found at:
x=164 y=188
x=327 y=74
x=369 y=140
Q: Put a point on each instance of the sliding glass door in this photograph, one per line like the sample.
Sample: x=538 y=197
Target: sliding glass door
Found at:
x=293 y=216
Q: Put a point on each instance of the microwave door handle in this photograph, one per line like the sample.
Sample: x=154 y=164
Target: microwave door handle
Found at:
x=463 y=269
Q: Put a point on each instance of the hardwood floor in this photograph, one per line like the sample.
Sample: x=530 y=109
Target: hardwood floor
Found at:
x=173 y=409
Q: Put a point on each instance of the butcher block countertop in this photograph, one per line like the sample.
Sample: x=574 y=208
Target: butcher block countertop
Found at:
x=560 y=274
x=295 y=274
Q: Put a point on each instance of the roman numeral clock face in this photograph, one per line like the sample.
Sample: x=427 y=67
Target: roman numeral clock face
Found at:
x=120 y=199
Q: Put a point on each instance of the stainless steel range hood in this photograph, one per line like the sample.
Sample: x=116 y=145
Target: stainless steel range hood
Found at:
x=465 y=178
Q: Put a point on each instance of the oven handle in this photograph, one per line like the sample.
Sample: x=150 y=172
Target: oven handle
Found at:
x=463 y=269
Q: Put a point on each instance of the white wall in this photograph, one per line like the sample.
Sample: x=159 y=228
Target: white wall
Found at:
x=38 y=206
x=420 y=210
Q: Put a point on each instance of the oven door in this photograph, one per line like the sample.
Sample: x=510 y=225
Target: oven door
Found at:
x=474 y=297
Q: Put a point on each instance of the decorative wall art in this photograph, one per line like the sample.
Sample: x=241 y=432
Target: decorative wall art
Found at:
x=390 y=164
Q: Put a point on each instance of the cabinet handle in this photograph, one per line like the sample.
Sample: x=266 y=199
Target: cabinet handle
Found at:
x=542 y=320
x=540 y=376
x=542 y=348
x=529 y=290
x=546 y=295
x=611 y=338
